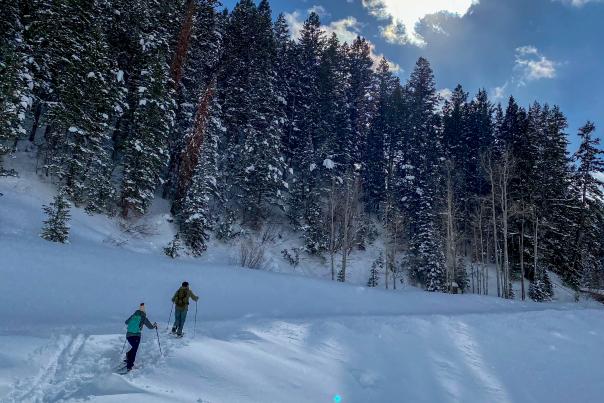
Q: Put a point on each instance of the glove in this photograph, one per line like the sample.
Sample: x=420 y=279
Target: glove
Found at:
x=155 y=325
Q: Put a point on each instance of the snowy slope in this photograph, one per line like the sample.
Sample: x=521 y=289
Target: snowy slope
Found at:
x=263 y=337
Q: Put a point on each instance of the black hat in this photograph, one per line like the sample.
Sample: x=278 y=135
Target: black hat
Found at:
x=185 y=284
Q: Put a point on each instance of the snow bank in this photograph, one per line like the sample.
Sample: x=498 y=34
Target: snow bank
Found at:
x=261 y=336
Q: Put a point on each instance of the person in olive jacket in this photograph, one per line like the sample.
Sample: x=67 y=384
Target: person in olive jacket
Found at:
x=181 y=306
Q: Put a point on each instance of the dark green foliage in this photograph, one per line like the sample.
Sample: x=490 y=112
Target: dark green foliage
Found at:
x=174 y=249
x=238 y=123
x=292 y=257
x=374 y=274
x=15 y=77
x=56 y=226
x=195 y=214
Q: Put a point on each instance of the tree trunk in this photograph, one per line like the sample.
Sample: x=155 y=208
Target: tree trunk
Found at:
x=35 y=122
x=522 y=258
x=494 y=211
x=182 y=46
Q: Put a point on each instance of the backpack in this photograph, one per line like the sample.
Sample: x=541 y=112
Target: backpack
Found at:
x=182 y=297
x=134 y=324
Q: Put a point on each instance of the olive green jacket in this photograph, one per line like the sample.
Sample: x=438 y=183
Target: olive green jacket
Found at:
x=182 y=296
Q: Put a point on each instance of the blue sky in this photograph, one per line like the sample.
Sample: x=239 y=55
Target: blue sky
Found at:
x=546 y=50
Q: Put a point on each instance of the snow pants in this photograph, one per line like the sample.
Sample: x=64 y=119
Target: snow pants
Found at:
x=180 y=315
x=131 y=354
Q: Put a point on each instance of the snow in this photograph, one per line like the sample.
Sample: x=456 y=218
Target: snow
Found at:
x=329 y=164
x=261 y=336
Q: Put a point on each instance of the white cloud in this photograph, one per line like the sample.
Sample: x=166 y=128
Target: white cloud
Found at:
x=319 y=10
x=403 y=16
x=346 y=29
x=579 y=3
x=532 y=65
x=445 y=93
x=498 y=93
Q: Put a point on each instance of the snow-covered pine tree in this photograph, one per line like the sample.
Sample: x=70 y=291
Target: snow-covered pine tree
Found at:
x=375 y=157
x=56 y=226
x=15 y=78
x=195 y=214
x=556 y=203
x=588 y=191
x=540 y=289
x=261 y=165
x=86 y=97
x=360 y=102
x=199 y=68
x=146 y=151
x=419 y=177
x=304 y=133
x=285 y=70
x=374 y=274
x=251 y=151
x=174 y=248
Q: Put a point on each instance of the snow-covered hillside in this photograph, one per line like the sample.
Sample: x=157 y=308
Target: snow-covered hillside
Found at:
x=262 y=336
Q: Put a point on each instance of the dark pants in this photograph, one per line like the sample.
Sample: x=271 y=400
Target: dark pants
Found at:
x=131 y=354
x=180 y=315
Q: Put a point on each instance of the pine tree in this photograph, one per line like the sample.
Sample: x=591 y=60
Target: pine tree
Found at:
x=540 y=289
x=263 y=166
x=252 y=161
x=374 y=181
x=199 y=69
x=15 y=78
x=195 y=217
x=305 y=135
x=360 y=103
x=56 y=227
x=419 y=177
x=588 y=190
x=146 y=154
x=174 y=247
x=77 y=74
x=374 y=273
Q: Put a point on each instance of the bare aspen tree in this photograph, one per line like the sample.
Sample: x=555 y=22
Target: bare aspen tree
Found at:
x=332 y=222
x=535 y=241
x=485 y=272
x=520 y=209
x=451 y=233
x=350 y=220
x=395 y=238
x=505 y=174
x=487 y=165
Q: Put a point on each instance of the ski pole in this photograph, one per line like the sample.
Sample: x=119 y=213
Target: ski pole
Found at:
x=158 y=343
x=123 y=346
x=170 y=317
x=195 y=325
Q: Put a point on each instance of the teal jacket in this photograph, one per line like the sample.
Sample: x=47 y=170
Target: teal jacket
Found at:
x=143 y=321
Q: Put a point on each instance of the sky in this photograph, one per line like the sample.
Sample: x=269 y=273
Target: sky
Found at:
x=536 y=50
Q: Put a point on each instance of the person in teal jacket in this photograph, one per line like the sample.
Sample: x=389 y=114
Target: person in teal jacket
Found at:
x=135 y=326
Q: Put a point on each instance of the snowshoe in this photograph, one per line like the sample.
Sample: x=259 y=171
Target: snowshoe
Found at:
x=123 y=371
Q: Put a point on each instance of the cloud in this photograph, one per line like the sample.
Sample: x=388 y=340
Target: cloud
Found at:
x=403 y=16
x=499 y=92
x=532 y=65
x=445 y=94
x=578 y=3
x=319 y=10
x=347 y=29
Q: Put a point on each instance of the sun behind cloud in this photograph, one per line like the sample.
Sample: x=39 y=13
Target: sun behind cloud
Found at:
x=403 y=16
